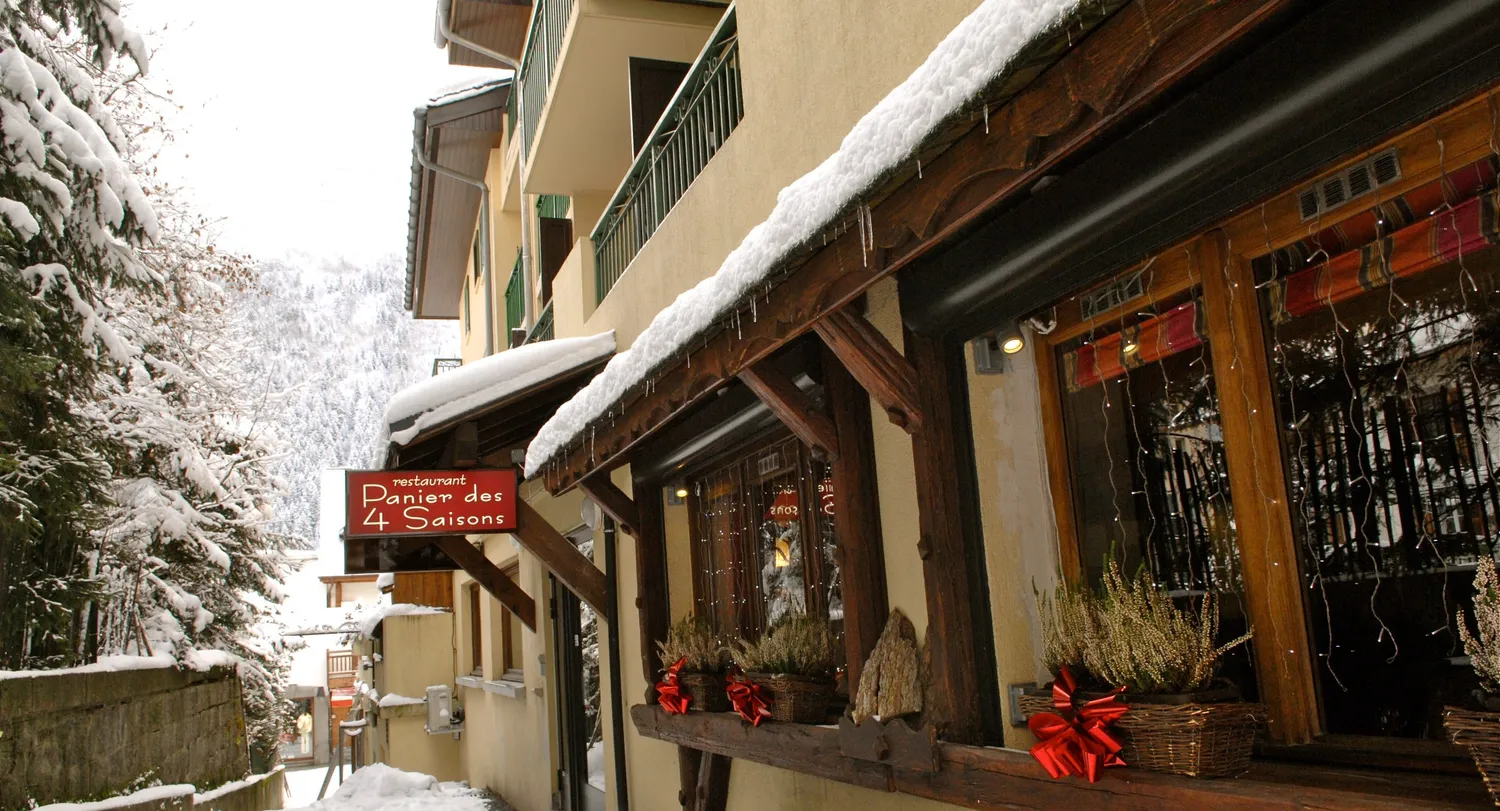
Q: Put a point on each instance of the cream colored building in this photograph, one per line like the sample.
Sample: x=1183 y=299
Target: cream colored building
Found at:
x=644 y=141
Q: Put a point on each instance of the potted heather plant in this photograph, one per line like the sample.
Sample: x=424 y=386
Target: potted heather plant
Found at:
x=1478 y=728
x=794 y=662
x=1132 y=635
x=705 y=660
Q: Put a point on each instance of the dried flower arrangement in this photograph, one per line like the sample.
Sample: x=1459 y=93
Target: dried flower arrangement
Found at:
x=1484 y=649
x=692 y=640
x=798 y=645
x=1131 y=634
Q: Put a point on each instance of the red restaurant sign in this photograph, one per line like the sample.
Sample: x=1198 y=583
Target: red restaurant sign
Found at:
x=385 y=503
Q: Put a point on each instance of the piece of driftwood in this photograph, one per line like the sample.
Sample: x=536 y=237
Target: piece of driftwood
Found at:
x=891 y=743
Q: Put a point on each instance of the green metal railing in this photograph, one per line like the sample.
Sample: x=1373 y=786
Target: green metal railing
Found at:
x=511 y=110
x=706 y=109
x=543 y=329
x=549 y=22
x=515 y=303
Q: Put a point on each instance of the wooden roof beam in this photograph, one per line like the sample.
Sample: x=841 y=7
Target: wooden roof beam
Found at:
x=488 y=575
x=560 y=557
x=879 y=368
x=613 y=501
x=793 y=407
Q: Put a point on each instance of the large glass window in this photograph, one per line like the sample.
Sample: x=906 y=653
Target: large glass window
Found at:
x=763 y=543
x=1146 y=452
x=1384 y=336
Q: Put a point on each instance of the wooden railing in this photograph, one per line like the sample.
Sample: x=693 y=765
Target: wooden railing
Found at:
x=706 y=109
x=342 y=665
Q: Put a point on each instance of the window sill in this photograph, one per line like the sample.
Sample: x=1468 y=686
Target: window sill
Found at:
x=976 y=776
x=508 y=687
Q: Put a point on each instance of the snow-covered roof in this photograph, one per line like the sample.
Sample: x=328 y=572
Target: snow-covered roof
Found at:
x=968 y=60
x=467 y=89
x=371 y=620
x=448 y=397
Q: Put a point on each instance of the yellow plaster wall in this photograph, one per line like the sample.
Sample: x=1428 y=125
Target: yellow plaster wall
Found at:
x=810 y=71
x=507 y=745
x=417 y=651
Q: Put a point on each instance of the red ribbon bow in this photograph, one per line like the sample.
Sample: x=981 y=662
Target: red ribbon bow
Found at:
x=747 y=697
x=1078 y=743
x=668 y=694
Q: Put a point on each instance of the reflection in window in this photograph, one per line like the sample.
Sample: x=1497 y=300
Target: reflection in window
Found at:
x=763 y=540
x=1389 y=391
x=1146 y=451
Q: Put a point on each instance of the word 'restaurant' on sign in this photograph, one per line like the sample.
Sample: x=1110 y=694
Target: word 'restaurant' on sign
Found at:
x=429 y=502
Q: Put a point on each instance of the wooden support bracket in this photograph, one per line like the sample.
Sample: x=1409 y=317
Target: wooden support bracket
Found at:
x=879 y=368
x=793 y=407
x=560 y=556
x=614 y=502
x=488 y=575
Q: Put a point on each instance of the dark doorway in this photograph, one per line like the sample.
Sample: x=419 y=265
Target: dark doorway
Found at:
x=653 y=82
x=556 y=243
x=580 y=727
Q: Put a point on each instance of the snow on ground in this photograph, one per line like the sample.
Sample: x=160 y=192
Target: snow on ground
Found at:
x=596 y=765
x=379 y=786
x=302 y=785
x=967 y=60
x=448 y=396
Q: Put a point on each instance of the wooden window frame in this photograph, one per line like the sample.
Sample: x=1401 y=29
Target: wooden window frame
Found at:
x=813 y=571
x=1219 y=263
x=474 y=601
x=510 y=666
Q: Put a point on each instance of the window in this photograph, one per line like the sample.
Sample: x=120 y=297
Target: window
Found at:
x=509 y=637
x=1150 y=484
x=476 y=637
x=1366 y=361
x=653 y=83
x=763 y=542
x=466 y=320
x=1385 y=335
x=478 y=258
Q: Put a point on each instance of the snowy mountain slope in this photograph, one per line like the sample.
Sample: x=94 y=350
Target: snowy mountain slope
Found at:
x=334 y=338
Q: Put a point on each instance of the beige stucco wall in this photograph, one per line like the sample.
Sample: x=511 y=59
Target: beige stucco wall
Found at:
x=810 y=71
x=417 y=651
x=506 y=744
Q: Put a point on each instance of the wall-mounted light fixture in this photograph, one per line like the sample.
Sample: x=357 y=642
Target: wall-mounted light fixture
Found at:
x=677 y=495
x=991 y=350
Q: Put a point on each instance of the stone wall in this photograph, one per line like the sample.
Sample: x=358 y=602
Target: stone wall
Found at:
x=74 y=735
x=262 y=792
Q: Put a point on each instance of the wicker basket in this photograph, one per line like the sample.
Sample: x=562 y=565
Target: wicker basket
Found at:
x=795 y=699
x=1187 y=737
x=706 y=691
x=1479 y=730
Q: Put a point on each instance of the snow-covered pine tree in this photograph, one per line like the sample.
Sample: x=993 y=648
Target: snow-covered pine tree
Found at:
x=187 y=561
x=71 y=214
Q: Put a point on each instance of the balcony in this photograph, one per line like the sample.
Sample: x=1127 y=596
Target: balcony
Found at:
x=707 y=108
x=576 y=116
x=543 y=329
x=341 y=668
x=515 y=301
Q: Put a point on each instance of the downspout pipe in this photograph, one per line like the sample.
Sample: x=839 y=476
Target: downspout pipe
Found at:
x=445 y=32
x=484 y=228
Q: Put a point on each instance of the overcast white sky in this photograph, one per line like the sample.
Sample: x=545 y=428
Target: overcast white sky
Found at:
x=297 y=115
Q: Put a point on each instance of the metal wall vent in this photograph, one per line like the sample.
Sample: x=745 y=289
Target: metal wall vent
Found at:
x=1354 y=182
x=1106 y=297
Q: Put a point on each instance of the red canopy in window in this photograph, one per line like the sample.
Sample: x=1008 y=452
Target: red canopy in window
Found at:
x=1449 y=232
x=1147 y=342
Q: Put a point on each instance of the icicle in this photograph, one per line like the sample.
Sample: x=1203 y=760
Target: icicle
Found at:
x=986 y=118
x=754 y=317
x=863 y=251
x=919 y=168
